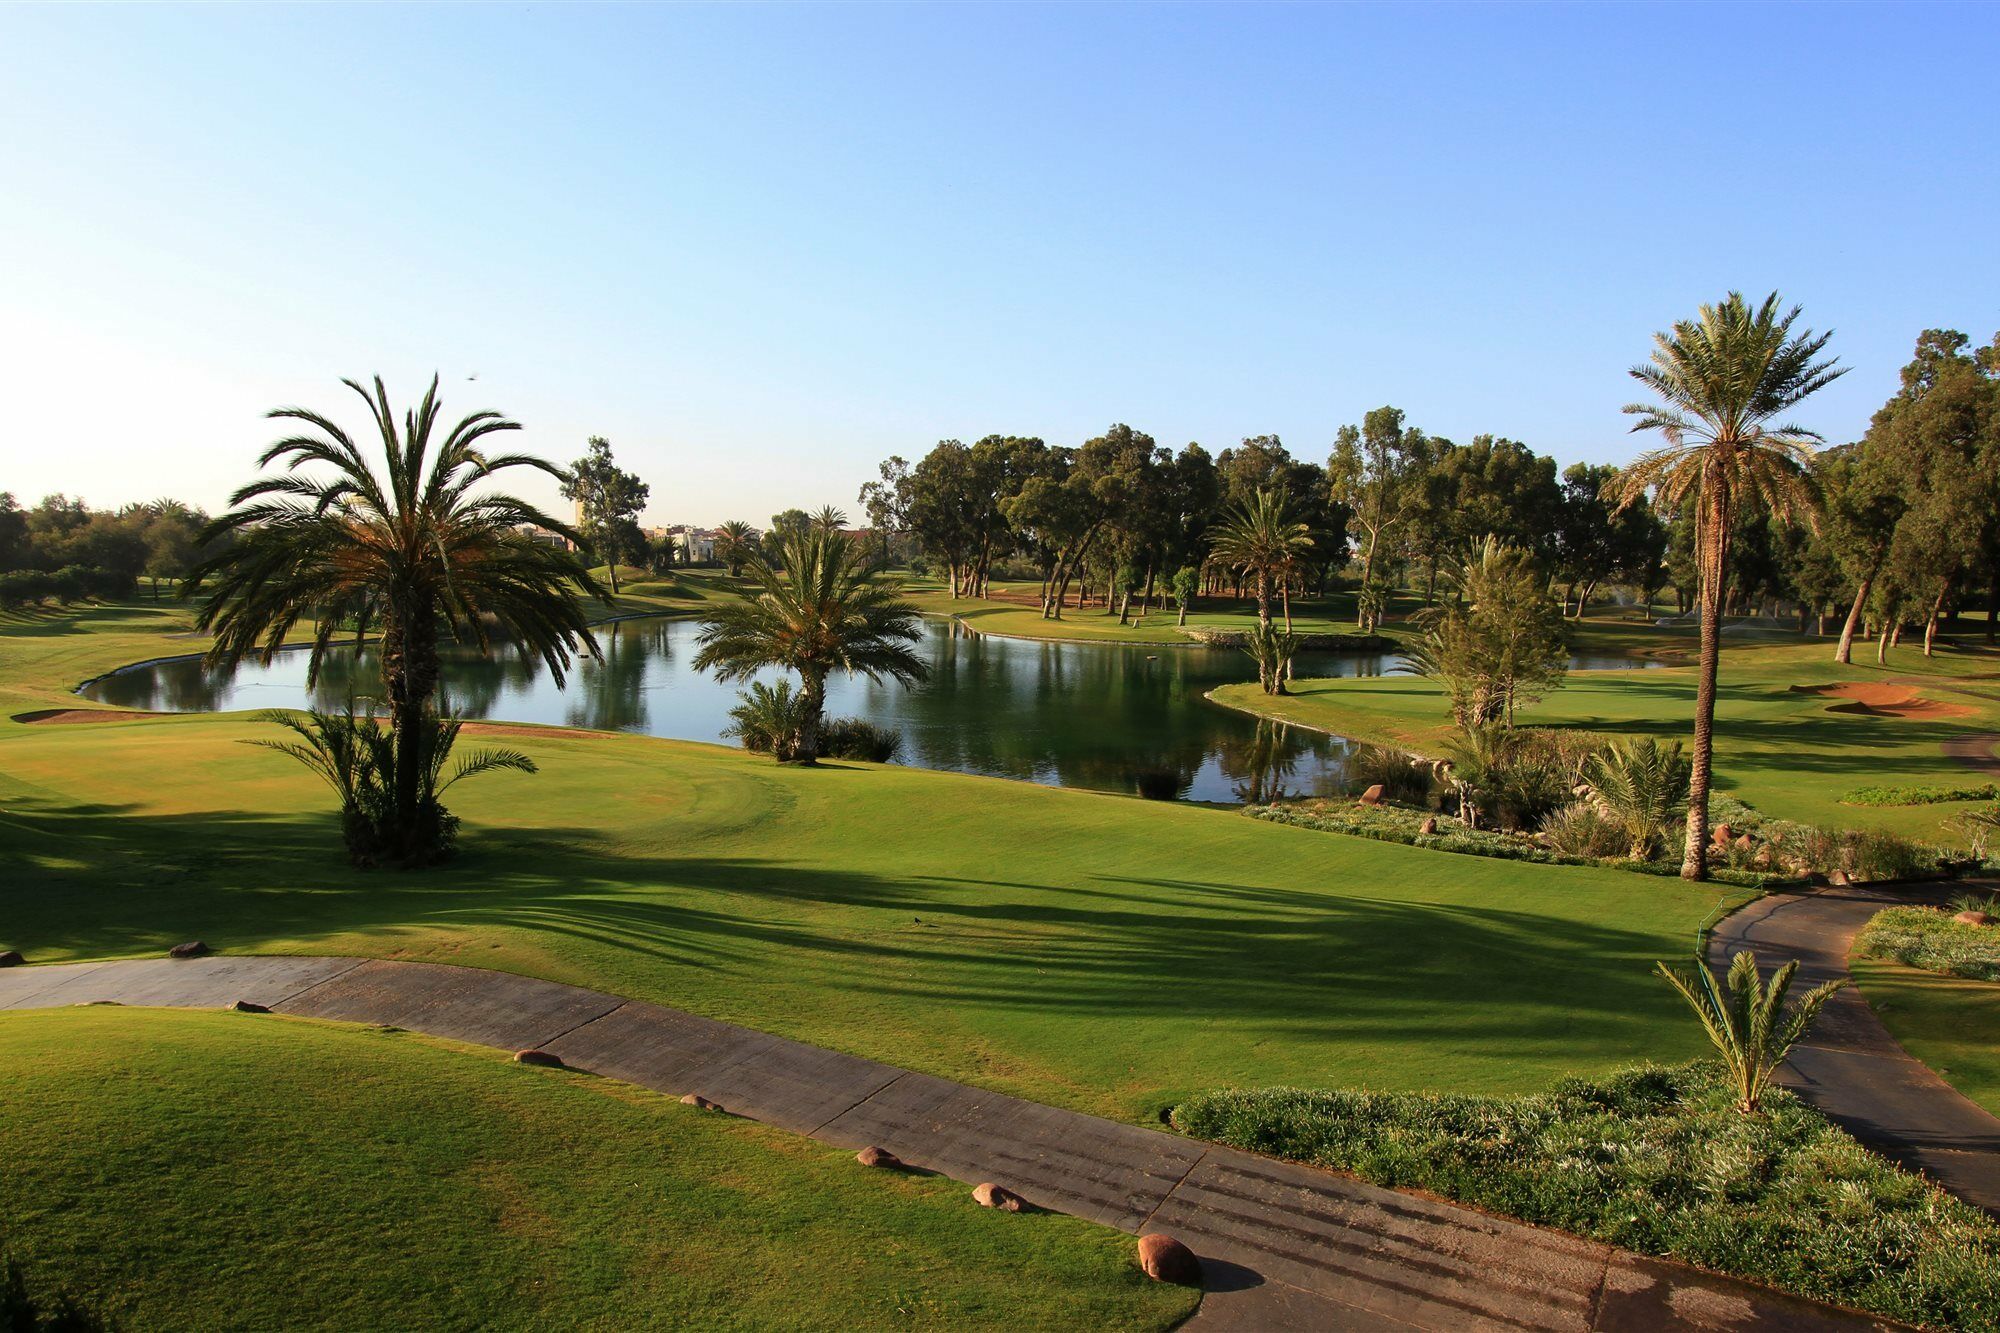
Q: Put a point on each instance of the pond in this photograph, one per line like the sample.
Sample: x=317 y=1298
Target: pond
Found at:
x=1109 y=717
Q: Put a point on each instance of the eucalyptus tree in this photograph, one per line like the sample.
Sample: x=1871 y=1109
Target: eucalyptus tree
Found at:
x=819 y=606
x=608 y=500
x=1371 y=472
x=1723 y=381
x=416 y=549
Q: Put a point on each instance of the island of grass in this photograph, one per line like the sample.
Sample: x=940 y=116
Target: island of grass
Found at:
x=178 y=1169
x=1785 y=740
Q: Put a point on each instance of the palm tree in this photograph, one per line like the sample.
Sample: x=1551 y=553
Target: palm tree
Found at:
x=735 y=541
x=1260 y=538
x=413 y=550
x=1749 y=1027
x=1722 y=381
x=819 y=607
x=829 y=519
x=1640 y=786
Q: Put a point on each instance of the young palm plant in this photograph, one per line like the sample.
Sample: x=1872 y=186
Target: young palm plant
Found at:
x=415 y=550
x=1261 y=539
x=1749 y=1025
x=820 y=606
x=1642 y=787
x=1722 y=381
x=766 y=719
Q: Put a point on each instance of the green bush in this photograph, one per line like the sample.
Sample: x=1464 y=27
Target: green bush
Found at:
x=1927 y=938
x=1980 y=791
x=1657 y=1160
x=1579 y=830
x=858 y=738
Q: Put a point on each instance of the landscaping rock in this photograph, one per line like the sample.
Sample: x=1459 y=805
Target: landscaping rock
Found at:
x=192 y=949
x=11 y=958
x=700 y=1103
x=1164 y=1259
x=1975 y=918
x=879 y=1157
x=540 y=1059
x=1742 y=843
x=1838 y=878
x=1428 y=827
x=990 y=1195
x=1373 y=796
x=1724 y=835
x=250 y=1007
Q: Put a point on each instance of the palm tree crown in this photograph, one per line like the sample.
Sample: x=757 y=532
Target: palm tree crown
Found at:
x=1261 y=538
x=1722 y=381
x=819 y=607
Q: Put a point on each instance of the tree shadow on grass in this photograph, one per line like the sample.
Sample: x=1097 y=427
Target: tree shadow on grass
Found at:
x=1160 y=968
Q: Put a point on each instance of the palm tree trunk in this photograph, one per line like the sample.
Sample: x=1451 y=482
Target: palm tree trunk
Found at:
x=409 y=678
x=1264 y=598
x=1285 y=592
x=812 y=701
x=1715 y=545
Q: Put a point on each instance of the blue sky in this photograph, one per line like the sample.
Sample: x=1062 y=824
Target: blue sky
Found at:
x=761 y=248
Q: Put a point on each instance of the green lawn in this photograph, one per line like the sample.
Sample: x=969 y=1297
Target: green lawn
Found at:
x=1015 y=611
x=1951 y=1024
x=1787 y=752
x=1099 y=952
x=199 y=1170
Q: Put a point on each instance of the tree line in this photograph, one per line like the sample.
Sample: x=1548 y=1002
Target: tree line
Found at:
x=62 y=550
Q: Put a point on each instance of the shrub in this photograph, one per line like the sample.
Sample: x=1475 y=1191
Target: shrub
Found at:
x=766 y=719
x=858 y=738
x=1982 y=791
x=1401 y=775
x=1641 y=787
x=1926 y=938
x=1656 y=1160
x=1579 y=830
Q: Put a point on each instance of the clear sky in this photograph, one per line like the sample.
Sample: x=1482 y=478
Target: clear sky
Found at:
x=762 y=247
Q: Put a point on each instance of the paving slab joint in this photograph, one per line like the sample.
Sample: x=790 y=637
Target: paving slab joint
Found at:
x=820 y=1128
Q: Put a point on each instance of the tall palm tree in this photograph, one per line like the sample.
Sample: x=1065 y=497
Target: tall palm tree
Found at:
x=414 y=549
x=820 y=606
x=1262 y=539
x=1723 y=380
x=735 y=541
x=829 y=518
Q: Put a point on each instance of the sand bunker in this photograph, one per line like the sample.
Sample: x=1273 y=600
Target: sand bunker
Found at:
x=80 y=715
x=1882 y=700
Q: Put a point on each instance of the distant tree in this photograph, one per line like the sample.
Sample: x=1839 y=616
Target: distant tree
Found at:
x=1370 y=472
x=882 y=501
x=1262 y=539
x=1187 y=583
x=820 y=606
x=609 y=501
x=1723 y=380
x=14 y=545
x=735 y=543
x=827 y=518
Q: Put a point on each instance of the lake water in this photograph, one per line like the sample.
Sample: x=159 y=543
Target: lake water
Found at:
x=1104 y=716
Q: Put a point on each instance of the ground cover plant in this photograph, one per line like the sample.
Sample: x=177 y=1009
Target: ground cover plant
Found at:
x=1659 y=1160
x=1931 y=940
x=1975 y=791
x=1011 y=936
x=177 y=1169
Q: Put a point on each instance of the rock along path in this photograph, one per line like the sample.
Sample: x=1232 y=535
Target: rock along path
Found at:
x=1283 y=1246
x=1849 y=1066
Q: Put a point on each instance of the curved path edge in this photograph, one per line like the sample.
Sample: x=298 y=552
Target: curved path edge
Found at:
x=1850 y=1067
x=1283 y=1246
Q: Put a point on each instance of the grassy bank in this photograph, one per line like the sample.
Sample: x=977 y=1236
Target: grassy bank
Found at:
x=1786 y=749
x=184 y=1170
x=1949 y=1023
x=1102 y=953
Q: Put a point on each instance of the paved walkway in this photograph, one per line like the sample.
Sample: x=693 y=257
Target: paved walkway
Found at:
x=1851 y=1068
x=1283 y=1246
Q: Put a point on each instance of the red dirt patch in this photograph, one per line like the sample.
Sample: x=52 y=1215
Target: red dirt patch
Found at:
x=1881 y=700
x=68 y=715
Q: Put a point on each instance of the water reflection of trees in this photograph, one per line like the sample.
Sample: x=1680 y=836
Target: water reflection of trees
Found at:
x=609 y=694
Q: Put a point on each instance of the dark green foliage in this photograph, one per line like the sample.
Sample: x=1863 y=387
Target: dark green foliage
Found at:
x=1656 y=1160
x=766 y=719
x=1641 y=786
x=360 y=759
x=858 y=738
x=1977 y=791
x=1926 y=938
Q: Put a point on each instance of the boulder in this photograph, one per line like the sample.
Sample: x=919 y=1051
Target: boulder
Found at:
x=192 y=949
x=990 y=1195
x=539 y=1059
x=1724 y=835
x=1373 y=796
x=1428 y=827
x=700 y=1103
x=1164 y=1259
x=11 y=958
x=1975 y=918
x=250 y=1007
x=879 y=1157
x=1742 y=843
x=1838 y=878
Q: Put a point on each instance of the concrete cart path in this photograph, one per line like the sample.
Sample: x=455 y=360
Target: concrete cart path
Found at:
x=1283 y=1246
x=1849 y=1066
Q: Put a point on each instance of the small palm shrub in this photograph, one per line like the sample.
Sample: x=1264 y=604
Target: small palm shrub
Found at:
x=1640 y=786
x=858 y=738
x=767 y=719
x=360 y=758
x=1578 y=829
x=1748 y=1024
x=1499 y=776
x=1273 y=649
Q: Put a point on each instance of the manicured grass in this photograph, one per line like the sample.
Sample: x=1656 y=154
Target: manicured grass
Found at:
x=1785 y=751
x=1099 y=952
x=1016 y=611
x=184 y=1170
x=1950 y=1023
